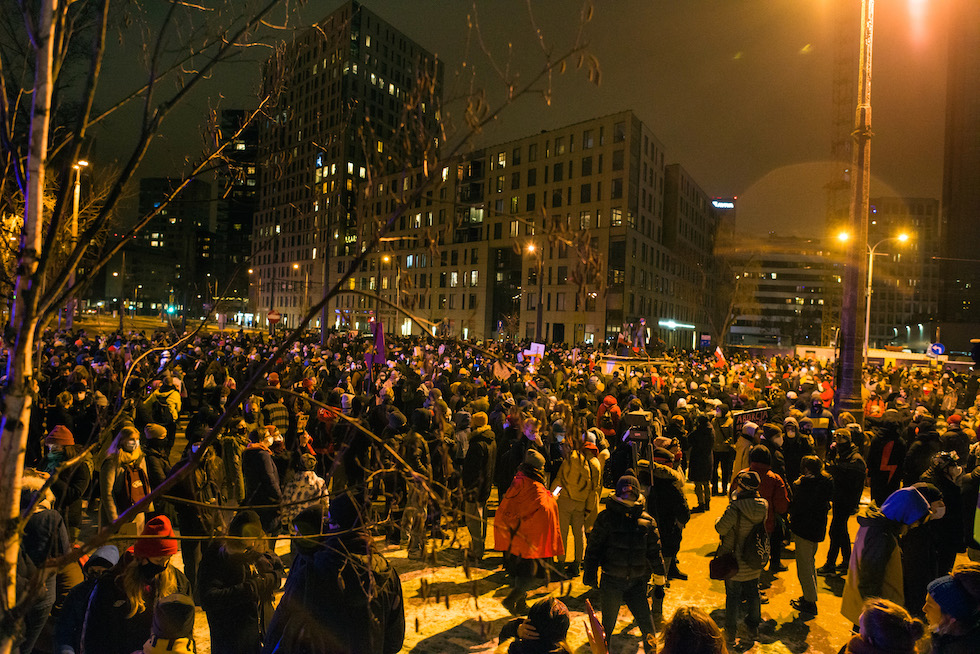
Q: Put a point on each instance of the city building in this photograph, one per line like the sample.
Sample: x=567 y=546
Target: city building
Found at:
x=237 y=201
x=170 y=263
x=354 y=100
x=906 y=275
x=960 y=270
x=568 y=235
x=790 y=279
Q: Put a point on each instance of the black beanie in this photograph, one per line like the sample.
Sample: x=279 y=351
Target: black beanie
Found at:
x=760 y=454
x=173 y=618
x=246 y=523
x=549 y=617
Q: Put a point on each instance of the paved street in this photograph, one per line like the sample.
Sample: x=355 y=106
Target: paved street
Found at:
x=446 y=617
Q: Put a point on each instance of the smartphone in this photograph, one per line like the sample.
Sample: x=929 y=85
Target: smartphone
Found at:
x=556 y=491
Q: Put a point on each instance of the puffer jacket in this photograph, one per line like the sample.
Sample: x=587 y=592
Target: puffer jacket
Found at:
x=743 y=513
x=810 y=505
x=479 y=465
x=624 y=542
x=876 y=564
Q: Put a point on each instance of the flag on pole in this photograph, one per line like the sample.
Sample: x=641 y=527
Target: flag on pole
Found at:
x=720 y=361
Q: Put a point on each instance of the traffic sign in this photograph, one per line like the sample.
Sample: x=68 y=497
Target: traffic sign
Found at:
x=936 y=349
x=274 y=316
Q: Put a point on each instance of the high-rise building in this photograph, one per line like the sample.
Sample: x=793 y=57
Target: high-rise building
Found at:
x=790 y=279
x=238 y=195
x=961 y=178
x=354 y=100
x=905 y=288
x=172 y=257
x=584 y=225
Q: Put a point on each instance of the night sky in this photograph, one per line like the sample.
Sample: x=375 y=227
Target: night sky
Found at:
x=738 y=91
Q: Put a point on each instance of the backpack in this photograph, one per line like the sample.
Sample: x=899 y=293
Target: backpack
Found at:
x=755 y=549
x=131 y=485
x=160 y=411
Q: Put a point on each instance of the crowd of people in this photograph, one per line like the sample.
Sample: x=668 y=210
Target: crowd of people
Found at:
x=581 y=458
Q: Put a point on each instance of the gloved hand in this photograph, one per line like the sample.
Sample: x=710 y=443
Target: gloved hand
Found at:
x=659 y=592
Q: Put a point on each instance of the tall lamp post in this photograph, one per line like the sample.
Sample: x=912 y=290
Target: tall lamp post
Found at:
x=539 y=324
x=76 y=197
x=851 y=352
x=872 y=252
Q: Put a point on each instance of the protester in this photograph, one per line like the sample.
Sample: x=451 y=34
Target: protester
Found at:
x=625 y=545
x=885 y=628
x=543 y=631
x=812 y=494
x=526 y=531
x=692 y=631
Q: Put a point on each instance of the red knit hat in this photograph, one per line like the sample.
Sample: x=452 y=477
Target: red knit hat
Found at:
x=60 y=435
x=164 y=545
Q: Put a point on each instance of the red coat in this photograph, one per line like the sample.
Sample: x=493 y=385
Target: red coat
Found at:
x=526 y=524
x=773 y=490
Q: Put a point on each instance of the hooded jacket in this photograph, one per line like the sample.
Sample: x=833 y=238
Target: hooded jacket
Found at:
x=734 y=525
x=875 y=568
x=810 y=506
x=479 y=465
x=526 y=523
x=625 y=543
x=346 y=600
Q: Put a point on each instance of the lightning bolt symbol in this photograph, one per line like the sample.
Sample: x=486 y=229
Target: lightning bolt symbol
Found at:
x=886 y=455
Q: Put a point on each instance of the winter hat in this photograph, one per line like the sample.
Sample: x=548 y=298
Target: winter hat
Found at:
x=309 y=383
x=589 y=441
x=749 y=480
x=760 y=454
x=273 y=379
x=954 y=419
x=397 y=421
x=164 y=543
x=462 y=420
x=549 y=617
x=344 y=511
x=906 y=505
x=534 y=459
x=106 y=556
x=609 y=400
x=628 y=487
x=944 y=460
x=479 y=419
x=750 y=428
x=663 y=455
x=558 y=426
x=153 y=431
x=60 y=435
x=246 y=524
x=952 y=597
x=173 y=618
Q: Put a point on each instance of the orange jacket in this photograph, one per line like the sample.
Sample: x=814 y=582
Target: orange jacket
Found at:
x=526 y=524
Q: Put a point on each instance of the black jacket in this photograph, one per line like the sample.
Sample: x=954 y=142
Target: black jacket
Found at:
x=236 y=592
x=346 y=600
x=849 y=472
x=809 y=507
x=624 y=542
x=478 y=466
x=886 y=461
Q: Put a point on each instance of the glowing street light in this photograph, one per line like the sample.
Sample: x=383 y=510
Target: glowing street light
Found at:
x=872 y=250
x=539 y=323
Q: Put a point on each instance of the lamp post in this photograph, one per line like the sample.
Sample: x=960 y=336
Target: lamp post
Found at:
x=532 y=249
x=871 y=266
x=851 y=354
x=76 y=196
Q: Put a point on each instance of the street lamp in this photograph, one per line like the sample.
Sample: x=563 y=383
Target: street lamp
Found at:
x=81 y=163
x=851 y=355
x=872 y=250
x=532 y=249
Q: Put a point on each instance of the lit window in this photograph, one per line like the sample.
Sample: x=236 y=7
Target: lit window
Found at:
x=474 y=278
x=454 y=279
x=501 y=159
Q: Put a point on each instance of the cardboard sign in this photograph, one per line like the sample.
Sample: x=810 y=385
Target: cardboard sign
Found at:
x=758 y=416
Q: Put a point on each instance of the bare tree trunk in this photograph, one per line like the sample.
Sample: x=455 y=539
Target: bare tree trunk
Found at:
x=17 y=412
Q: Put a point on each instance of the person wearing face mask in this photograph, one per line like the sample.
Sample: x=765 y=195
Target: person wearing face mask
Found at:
x=123 y=479
x=875 y=568
x=944 y=473
x=262 y=478
x=723 y=450
x=70 y=486
x=232 y=443
x=920 y=561
x=237 y=580
x=68 y=626
x=796 y=445
x=812 y=493
x=849 y=471
x=119 y=617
